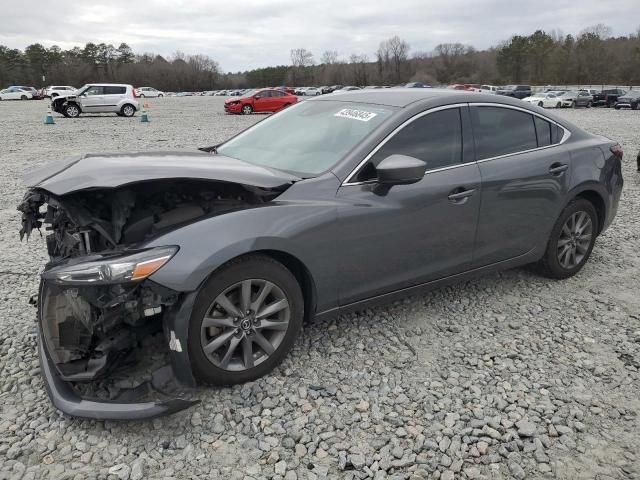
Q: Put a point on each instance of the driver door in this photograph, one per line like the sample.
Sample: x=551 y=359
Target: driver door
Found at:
x=92 y=99
x=263 y=102
x=411 y=234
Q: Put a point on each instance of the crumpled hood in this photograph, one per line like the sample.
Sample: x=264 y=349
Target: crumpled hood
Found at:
x=117 y=169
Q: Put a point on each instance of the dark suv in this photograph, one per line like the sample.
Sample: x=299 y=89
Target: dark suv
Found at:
x=516 y=91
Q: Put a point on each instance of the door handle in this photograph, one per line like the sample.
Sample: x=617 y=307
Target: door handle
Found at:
x=460 y=194
x=558 y=168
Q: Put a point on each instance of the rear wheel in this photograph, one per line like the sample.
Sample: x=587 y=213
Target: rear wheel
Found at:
x=245 y=320
x=589 y=104
x=128 y=110
x=24 y=97
x=558 y=105
x=247 y=109
x=540 y=104
x=72 y=111
x=571 y=240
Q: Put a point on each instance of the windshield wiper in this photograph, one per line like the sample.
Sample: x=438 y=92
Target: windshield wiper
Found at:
x=212 y=149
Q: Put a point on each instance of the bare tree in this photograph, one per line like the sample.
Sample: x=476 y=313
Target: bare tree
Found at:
x=392 y=57
x=329 y=57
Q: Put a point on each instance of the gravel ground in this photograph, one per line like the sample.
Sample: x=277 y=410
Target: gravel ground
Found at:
x=509 y=376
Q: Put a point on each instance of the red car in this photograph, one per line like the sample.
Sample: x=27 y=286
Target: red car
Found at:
x=263 y=100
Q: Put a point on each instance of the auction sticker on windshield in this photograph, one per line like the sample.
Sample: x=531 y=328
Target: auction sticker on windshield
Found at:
x=354 y=114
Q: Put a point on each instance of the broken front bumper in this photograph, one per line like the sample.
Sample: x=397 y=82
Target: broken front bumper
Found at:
x=144 y=401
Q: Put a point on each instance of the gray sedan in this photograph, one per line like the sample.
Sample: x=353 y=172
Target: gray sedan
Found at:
x=333 y=204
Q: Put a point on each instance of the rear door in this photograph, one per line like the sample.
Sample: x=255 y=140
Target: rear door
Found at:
x=525 y=179
x=113 y=95
x=262 y=101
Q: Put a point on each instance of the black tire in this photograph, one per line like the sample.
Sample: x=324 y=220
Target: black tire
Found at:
x=589 y=104
x=559 y=105
x=541 y=105
x=128 y=110
x=246 y=109
x=160 y=96
x=24 y=97
x=550 y=265
x=71 y=111
x=574 y=104
x=247 y=267
x=142 y=95
x=617 y=107
x=54 y=95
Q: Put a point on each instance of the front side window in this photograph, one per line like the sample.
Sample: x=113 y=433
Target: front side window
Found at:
x=501 y=131
x=94 y=91
x=435 y=138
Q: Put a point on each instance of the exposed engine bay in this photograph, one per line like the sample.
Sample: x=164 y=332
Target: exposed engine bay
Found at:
x=91 y=329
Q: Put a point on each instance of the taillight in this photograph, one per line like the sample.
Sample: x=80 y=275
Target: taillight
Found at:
x=617 y=151
x=135 y=93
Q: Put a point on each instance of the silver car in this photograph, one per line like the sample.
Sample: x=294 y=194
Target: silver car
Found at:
x=120 y=99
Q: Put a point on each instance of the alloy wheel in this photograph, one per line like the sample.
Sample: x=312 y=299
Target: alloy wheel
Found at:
x=128 y=110
x=245 y=324
x=575 y=239
x=246 y=109
x=73 y=111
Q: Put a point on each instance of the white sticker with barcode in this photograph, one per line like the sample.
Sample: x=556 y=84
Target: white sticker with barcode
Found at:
x=355 y=114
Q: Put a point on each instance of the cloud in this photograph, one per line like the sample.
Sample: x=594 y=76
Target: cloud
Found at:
x=247 y=34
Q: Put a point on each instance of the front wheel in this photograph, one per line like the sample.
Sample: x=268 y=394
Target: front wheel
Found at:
x=24 y=97
x=71 y=111
x=574 y=104
x=540 y=104
x=589 y=104
x=245 y=320
x=128 y=110
x=558 y=105
x=571 y=240
x=247 y=109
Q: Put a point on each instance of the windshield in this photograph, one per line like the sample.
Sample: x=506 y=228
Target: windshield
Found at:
x=249 y=93
x=82 y=89
x=308 y=138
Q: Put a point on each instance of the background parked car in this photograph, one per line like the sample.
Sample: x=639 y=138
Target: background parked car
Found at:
x=313 y=91
x=515 y=91
x=263 y=100
x=456 y=86
x=417 y=85
x=631 y=99
x=54 y=91
x=488 y=88
x=574 y=99
x=348 y=89
x=98 y=98
x=15 y=93
x=35 y=92
x=544 y=100
x=149 y=92
x=332 y=88
x=608 y=97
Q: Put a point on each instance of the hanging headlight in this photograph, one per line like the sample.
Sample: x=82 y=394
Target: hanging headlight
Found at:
x=129 y=268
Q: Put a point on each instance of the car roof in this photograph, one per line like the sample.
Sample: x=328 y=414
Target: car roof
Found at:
x=402 y=97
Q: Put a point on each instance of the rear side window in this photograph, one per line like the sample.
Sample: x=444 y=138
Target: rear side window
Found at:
x=115 y=90
x=435 y=138
x=501 y=131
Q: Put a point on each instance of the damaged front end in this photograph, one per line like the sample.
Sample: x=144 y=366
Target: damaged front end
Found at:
x=108 y=331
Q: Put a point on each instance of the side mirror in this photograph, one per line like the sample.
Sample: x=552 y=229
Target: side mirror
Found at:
x=400 y=170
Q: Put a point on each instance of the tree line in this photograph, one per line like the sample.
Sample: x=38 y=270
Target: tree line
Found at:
x=591 y=57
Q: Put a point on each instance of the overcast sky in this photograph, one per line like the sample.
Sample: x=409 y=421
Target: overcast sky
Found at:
x=242 y=35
